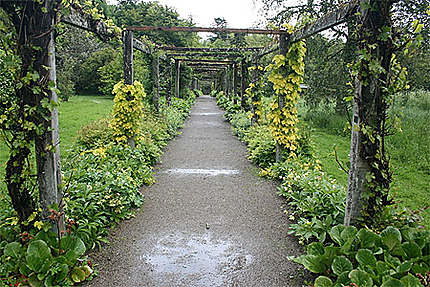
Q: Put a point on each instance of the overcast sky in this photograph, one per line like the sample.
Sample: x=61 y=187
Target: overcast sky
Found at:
x=238 y=13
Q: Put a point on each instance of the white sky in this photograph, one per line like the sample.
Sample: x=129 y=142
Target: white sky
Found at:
x=238 y=13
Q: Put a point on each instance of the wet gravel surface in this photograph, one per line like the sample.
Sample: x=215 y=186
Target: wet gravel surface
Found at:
x=208 y=221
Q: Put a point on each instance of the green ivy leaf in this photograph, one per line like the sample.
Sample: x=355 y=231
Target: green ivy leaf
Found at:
x=340 y=265
x=365 y=257
x=323 y=281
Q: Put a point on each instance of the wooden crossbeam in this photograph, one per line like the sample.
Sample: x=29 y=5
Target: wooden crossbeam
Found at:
x=81 y=20
x=140 y=46
x=207 y=66
x=327 y=21
x=208 y=30
x=203 y=54
x=206 y=61
x=222 y=50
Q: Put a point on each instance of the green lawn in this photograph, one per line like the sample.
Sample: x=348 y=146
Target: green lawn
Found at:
x=78 y=111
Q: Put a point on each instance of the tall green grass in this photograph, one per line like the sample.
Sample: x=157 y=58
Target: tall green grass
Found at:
x=409 y=147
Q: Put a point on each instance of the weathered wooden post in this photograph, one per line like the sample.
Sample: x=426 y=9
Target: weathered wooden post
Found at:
x=47 y=145
x=244 y=74
x=283 y=49
x=171 y=80
x=230 y=81
x=254 y=80
x=127 y=38
x=367 y=155
x=177 y=78
x=235 y=82
x=225 y=81
x=156 y=78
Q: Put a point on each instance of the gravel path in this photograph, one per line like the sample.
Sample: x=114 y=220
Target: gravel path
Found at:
x=208 y=221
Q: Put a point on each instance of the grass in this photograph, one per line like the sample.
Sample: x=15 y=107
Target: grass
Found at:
x=78 y=111
x=409 y=149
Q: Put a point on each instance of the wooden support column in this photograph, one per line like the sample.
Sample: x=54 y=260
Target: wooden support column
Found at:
x=48 y=158
x=225 y=82
x=283 y=49
x=177 y=78
x=156 y=77
x=367 y=155
x=254 y=80
x=171 y=80
x=244 y=76
x=235 y=83
x=127 y=39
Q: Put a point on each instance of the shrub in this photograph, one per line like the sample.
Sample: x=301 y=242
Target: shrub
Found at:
x=97 y=133
x=241 y=123
x=261 y=145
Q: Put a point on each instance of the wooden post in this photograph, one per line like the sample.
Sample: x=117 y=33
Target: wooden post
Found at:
x=127 y=38
x=254 y=80
x=225 y=82
x=171 y=80
x=156 y=77
x=48 y=146
x=283 y=49
x=367 y=155
x=177 y=78
x=235 y=83
x=244 y=74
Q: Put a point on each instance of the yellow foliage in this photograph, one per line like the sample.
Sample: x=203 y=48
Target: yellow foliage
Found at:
x=127 y=111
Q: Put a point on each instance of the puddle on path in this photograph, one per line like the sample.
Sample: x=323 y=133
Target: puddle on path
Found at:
x=205 y=114
x=200 y=260
x=199 y=171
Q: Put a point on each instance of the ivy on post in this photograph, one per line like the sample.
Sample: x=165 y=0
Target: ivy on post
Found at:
x=177 y=77
x=156 y=78
x=235 y=82
x=225 y=81
x=244 y=76
x=369 y=177
x=127 y=39
x=171 y=80
x=283 y=50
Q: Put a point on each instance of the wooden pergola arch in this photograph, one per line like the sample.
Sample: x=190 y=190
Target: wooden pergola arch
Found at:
x=364 y=99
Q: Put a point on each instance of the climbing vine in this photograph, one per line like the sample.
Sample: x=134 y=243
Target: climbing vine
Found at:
x=286 y=75
x=127 y=111
x=254 y=93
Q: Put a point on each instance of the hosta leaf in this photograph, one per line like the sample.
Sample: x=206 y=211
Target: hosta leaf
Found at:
x=13 y=249
x=404 y=267
x=38 y=255
x=391 y=237
x=315 y=248
x=365 y=257
x=411 y=281
x=340 y=265
x=314 y=263
x=335 y=234
x=392 y=283
x=323 y=281
x=367 y=238
x=361 y=278
x=77 y=275
x=411 y=249
x=348 y=233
